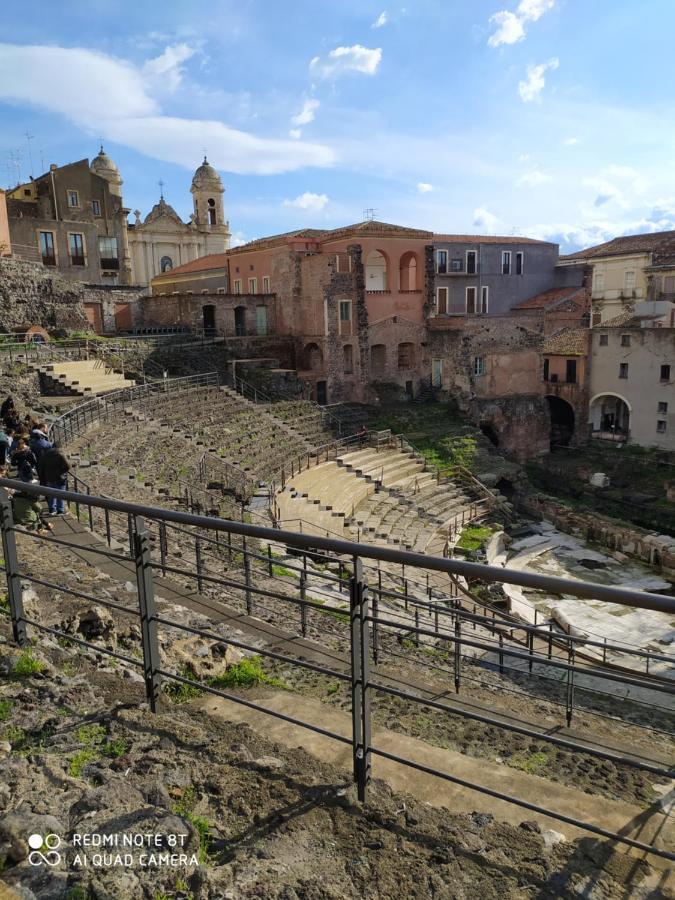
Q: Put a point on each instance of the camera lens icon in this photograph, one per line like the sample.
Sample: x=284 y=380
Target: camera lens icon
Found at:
x=51 y=842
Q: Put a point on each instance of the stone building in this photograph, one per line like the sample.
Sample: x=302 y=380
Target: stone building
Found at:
x=162 y=241
x=207 y=274
x=632 y=381
x=72 y=219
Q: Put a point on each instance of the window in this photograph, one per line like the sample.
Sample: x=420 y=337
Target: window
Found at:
x=599 y=281
x=47 y=248
x=506 y=262
x=166 y=264
x=456 y=265
x=442 y=301
x=406 y=355
x=261 y=320
x=547 y=368
x=471 y=301
x=237 y=286
x=629 y=281
x=348 y=359
x=519 y=263
x=442 y=261
x=662 y=408
x=73 y=199
x=220 y=291
x=479 y=365
x=96 y=207
x=76 y=249
x=604 y=340
x=345 y=307
x=571 y=374
x=266 y=284
x=665 y=373
x=625 y=340
x=483 y=310
x=107 y=250
x=669 y=284
x=212 y=212
x=661 y=426
x=623 y=370
x=253 y=285
x=470 y=262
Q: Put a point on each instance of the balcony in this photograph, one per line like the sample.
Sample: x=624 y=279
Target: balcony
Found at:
x=110 y=263
x=48 y=260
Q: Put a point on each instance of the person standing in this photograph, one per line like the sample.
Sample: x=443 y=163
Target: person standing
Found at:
x=53 y=468
x=39 y=442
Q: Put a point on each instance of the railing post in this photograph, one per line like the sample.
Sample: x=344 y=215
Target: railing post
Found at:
x=269 y=560
x=108 y=536
x=530 y=648
x=360 y=679
x=569 y=700
x=146 y=603
x=376 y=626
x=501 y=653
x=162 y=546
x=303 y=605
x=200 y=568
x=14 y=591
x=458 y=651
x=247 y=578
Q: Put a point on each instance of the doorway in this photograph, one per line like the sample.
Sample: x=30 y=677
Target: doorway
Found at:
x=209 y=319
x=321 y=393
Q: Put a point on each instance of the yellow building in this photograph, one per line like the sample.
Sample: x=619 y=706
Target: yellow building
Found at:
x=635 y=273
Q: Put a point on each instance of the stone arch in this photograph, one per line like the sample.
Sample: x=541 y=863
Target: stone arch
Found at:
x=377 y=265
x=562 y=420
x=610 y=414
x=165 y=264
x=312 y=358
x=407 y=271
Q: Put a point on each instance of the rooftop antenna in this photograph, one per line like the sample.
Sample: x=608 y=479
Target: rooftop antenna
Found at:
x=15 y=163
x=29 y=138
x=161 y=189
x=369 y=214
x=42 y=160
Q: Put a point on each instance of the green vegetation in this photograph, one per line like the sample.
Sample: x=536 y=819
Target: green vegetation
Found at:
x=5 y=709
x=281 y=571
x=185 y=808
x=532 y=763
x=177 y=691
x=95 y=746
x=27 y=665
x=247 y=673
x=474 y=537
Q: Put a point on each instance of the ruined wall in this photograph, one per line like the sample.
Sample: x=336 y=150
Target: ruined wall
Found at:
x=33 y=295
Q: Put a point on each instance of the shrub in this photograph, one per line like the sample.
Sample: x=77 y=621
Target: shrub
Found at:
x=27 y=665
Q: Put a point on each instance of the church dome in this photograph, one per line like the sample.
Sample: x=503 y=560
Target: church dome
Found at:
x=162 y=209
x=206 y=178
x=104 y=167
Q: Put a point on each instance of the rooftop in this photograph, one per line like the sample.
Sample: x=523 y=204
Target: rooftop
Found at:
x=202 y=264
x=567 y=342
x=486 y=239
x=653 y=242
x=548 y=298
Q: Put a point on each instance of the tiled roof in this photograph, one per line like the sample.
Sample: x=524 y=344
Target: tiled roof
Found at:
x=633 y=243
x=548 y=298
x=567 y=342
x=624 y=318
x=485 y=239
x=202 y=264
x=274 y=239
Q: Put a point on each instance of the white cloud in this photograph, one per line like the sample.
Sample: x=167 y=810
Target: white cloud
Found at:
x=424 y=187
x=307 y=113
x=484 y=220
x=533 y=179
x=381 y=20
x=510 y=26
x=308 y=201
x=295 y=133
x=167 y=69
x=78 y=83
x=531 y=88
x=571 y=141
x=630 y=189
x=347 y=59
x=237 y=239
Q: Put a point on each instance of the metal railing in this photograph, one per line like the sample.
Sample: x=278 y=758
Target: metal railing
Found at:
x=373 y=625
x=80 y=418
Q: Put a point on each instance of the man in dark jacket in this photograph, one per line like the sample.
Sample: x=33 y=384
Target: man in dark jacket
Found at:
x=53 y=468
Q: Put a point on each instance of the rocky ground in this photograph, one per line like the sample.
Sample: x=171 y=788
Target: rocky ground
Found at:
x=82 y=755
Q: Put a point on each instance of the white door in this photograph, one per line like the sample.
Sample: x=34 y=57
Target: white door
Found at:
x=261 y=319
x=437 y=373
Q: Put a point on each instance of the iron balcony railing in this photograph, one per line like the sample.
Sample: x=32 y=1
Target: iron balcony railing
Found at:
x=234 y=567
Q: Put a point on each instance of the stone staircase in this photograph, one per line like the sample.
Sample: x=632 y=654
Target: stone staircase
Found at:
x=83 y=378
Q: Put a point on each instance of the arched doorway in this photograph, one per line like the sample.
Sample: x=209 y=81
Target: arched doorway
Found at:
x=610 y=417
x=209 y=318
x=490 y=433
x=313 y=358
x=166 y=264
x=407 y=272
x=562 y=421
x=376 y=271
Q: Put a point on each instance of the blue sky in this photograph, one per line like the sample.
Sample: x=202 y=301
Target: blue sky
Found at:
x=550 y=118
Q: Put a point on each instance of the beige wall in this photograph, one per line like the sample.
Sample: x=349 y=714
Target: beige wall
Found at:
x=642 y=390
x=4 y=226
x=612 y=292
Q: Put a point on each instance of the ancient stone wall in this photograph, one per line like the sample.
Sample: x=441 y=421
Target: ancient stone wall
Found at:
x=33 y=295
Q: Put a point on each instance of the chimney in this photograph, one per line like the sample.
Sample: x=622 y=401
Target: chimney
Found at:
x=53 y=167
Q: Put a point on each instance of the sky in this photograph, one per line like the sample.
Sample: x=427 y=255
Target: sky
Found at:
x=546 y=118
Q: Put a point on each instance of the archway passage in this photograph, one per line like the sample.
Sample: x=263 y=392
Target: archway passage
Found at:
x=240 y=321
x=209 y=318
x=562 y=421
x=610 y=417
x=376 y=271
x=490 y=433
x=408 y=272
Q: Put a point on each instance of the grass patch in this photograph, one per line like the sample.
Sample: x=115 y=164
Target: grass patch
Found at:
x=80 y=760
x=95 y=747
x=337 y=614
x=247 y=673
x=474 y=537
x=5 y=709
x=185 y=808
x=178 y=692
x=282 y=571
x=532 y=763
x=27 y=665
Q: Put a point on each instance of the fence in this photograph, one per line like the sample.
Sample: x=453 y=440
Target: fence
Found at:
x=377 y=620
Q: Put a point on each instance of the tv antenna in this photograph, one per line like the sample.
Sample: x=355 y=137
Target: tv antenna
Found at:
x=29 y=138
x=369 y=214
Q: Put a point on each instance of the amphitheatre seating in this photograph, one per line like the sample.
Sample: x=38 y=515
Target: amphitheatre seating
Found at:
x=386 y=465
x=85 y=377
